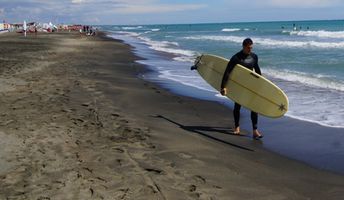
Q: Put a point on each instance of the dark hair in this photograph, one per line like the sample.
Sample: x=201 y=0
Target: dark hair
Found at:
x=247 y=41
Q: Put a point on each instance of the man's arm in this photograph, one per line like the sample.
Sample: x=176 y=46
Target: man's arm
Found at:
x=256 y=66
x=230 y=67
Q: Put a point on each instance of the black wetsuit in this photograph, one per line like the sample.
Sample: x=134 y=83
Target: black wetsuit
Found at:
x=249 y=61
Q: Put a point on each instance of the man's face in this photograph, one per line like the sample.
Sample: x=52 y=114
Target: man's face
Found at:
x=248 y=48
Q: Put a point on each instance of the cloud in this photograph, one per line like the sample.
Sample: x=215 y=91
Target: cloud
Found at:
x=135 y=7
x=2 y=11
x=77 y=1
x=302 y=3
x=160 y=8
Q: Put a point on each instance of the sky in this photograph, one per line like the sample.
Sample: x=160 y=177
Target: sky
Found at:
x=125 y=12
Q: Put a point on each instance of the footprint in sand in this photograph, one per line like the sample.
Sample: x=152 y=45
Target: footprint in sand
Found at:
x=200 y=179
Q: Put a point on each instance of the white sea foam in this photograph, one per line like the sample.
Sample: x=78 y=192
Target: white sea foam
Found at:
x=164 y=46
x=189 y=79
x=132 y=34
x=319 y=34
x=314 y=98
x=231 y=29
x=271 y=42
x=189 y=59
x=315 y=80
x=168 y=47
x=155 y=29
x=148 y=41
x=131 y=27
x=327 y=123
x=115 y=27
x=216 y=38
x=316 y=105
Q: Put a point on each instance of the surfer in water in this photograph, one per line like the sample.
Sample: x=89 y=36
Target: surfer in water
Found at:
x=248 y=59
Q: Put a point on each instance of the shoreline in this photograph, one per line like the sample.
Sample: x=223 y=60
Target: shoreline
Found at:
x=322 y=153
x=93 y=130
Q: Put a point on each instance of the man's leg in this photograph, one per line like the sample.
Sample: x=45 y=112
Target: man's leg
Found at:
x=254 y=119
x=236 y=113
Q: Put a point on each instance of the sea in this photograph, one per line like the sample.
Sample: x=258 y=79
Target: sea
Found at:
x=304 y=58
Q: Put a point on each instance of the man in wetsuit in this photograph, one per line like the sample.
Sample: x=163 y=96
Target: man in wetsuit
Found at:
x=248 y=59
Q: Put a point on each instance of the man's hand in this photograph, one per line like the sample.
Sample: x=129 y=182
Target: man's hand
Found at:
x=223 y=91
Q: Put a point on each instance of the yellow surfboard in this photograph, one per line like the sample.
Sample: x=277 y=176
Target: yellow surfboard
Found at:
x=244 y=86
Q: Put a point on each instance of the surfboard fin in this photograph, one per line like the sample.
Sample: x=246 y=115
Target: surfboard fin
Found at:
x=282 y=107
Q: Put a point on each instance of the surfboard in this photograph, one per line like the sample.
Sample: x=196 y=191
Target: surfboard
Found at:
x=244 y=86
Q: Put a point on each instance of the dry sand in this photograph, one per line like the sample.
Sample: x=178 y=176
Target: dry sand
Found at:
x=78 y=123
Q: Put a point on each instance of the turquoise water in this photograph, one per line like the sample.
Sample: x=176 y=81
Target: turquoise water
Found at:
x=304 y=58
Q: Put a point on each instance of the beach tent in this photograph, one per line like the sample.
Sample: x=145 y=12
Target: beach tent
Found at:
x=49 y=27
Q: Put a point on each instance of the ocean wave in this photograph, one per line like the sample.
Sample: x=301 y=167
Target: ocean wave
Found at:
x=116 y=28
x=230 y=29
x=216 y=38
x=131 y=27
x=188 y=79
x=158 y=43
x=167 y=46
x=132 y=34
x=319 y=34
x=328 y=123
x=189 y=59
x=152 y=30
x=315 y=80
x=271 y=42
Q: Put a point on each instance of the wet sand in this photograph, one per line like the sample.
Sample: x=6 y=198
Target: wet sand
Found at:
x=77 y=122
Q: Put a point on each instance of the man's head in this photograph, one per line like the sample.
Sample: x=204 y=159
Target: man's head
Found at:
x=247 y=45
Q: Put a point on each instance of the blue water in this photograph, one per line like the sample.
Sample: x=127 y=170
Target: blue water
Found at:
x=305 y=60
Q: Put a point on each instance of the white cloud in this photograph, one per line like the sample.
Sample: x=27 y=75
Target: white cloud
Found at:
x=303 y=3
x=2 y=11
x=27 y=11
x=156 y=8
x=77 y=1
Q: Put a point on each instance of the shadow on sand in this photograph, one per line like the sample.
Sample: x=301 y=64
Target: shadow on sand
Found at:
x=202 y=129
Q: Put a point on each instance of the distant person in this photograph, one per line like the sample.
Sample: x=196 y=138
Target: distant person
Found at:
x=248 y=59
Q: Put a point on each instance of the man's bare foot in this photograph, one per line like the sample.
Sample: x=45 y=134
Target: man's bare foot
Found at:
x=257 y=135
x=236 y=131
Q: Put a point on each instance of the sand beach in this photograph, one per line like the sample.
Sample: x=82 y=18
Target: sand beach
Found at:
x=78 y=122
